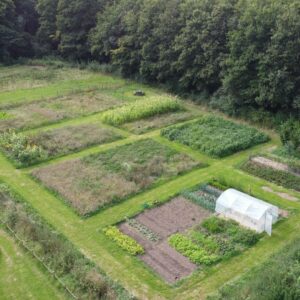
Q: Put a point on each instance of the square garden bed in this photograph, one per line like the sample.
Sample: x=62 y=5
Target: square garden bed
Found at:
x=183 y=235
x=215 y=136
x=101 y=179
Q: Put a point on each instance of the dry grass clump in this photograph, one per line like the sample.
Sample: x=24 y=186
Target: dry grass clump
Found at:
x=111 y=176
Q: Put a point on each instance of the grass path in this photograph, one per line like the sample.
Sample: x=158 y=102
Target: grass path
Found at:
x=133 y=275
x=21 y=277
x=87 y=234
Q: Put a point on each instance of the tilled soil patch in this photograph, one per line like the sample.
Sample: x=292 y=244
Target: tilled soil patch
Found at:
x=177 y=215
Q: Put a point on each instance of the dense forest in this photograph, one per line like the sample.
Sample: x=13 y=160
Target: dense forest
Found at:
x=242 y=56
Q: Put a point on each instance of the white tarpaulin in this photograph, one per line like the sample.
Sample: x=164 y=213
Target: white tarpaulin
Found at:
x=247 y=210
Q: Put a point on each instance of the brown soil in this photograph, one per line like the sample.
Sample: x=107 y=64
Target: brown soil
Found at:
x=177 y=215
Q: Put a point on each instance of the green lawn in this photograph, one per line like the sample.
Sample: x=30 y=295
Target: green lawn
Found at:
x=87 y=234
x=21 y=276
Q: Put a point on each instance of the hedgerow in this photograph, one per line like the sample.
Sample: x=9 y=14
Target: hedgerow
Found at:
x=124 y=241
x=73 y=270
x=140 y=109
x=215 y=136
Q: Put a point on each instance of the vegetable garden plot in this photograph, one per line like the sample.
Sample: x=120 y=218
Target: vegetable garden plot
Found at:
x=26 y=150
x=43 y=112
x=214 y=240
x=108 y=177
x=215 y=136
x=152 y=228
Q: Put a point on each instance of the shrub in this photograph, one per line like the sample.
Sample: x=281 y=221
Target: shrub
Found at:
x=282 y=178
x=19 y=148
x=124 y=241
x=195 y=253
x=215 y=136
x=139 y=110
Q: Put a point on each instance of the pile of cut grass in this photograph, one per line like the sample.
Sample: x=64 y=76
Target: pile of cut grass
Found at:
x=141 y=109
x=215 y=136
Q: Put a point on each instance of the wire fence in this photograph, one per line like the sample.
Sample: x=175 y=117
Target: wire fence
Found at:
x=41 y=260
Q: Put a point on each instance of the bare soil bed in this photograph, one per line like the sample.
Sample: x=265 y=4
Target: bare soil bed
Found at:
x=175 y=216
x=42 y=112
x=111 y=176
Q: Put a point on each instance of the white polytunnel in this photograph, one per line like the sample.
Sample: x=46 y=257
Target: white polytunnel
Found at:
x=250 y=212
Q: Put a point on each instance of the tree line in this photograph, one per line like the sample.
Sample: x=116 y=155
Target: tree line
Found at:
x=242 y=55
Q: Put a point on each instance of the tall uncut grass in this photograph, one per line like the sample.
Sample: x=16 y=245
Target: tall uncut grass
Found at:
x=140 y=109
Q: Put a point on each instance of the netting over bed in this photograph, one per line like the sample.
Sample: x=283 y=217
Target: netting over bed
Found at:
x=247 y=210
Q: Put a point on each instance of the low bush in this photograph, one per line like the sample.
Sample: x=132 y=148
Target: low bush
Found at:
x=215 y=136
x=78 y=273
x=139 y=110
x=282 y=178
x=124 y=241
x=19 y=148
x=196 y=254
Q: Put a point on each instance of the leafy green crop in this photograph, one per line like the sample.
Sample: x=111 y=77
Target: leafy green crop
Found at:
x=189 y=249
x=215 y=136
x=124 y=241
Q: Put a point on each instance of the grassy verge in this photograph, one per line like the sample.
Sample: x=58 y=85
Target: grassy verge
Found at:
x=21 y=277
